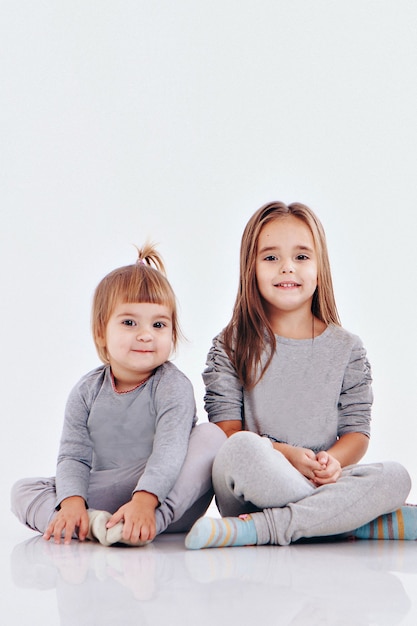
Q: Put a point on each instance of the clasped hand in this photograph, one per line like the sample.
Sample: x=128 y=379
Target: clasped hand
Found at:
x=320 y=469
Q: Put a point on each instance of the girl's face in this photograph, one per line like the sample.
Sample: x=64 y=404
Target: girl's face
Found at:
x=286 y=266
x=138 y=339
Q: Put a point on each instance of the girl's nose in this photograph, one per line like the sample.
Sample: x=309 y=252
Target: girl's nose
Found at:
x=143 y=335
x=287 y=268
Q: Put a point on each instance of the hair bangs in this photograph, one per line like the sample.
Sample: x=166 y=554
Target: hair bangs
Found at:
x=145 y=284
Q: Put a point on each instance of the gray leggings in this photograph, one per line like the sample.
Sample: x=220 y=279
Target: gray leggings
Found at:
x=33 y=500
x=250 y=476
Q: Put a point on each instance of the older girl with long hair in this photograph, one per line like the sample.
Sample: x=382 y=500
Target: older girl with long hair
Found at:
x=292 y=391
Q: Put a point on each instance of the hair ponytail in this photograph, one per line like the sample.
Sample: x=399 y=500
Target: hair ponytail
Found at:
x=149 y=256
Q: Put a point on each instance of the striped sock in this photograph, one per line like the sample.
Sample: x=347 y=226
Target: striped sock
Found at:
x=210 y=532
x=401 y=524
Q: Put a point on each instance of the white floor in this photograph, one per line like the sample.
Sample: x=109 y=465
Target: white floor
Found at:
x=324 y=584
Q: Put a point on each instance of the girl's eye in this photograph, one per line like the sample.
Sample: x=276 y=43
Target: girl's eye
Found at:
x=270 y=257
x=129 y=323
x=302 y=257
x=159 y=325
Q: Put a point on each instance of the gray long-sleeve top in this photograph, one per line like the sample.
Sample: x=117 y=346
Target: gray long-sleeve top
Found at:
x=104 y=429
x=313 y=392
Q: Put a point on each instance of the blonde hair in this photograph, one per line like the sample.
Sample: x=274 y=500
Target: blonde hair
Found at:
x=249 y=333
x=144 y=281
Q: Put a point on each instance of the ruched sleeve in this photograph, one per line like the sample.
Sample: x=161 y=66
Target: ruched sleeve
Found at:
x=223 y=399
x=356 y=395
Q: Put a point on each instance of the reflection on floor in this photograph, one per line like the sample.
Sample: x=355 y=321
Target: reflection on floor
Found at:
x=327 y=584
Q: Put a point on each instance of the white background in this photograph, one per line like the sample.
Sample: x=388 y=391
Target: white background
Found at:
x=176 y=120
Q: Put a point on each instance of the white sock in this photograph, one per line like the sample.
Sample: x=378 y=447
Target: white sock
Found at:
x=97 y=526
x=115 y=535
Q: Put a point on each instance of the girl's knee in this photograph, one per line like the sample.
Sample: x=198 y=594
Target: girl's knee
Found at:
x=398 y=478
x=26 y=491
x=209 y=433
x=247 y=443
x=18 y=499
x=389 y=479
x=207 y=439
x=240 y=448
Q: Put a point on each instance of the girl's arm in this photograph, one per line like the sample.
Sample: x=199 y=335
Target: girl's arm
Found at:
x=73 y=472
x=230 y=427
x=354 y=407
x=223 y=399
x=75 y=449
x=326 y=466
x=174 y=410
x=175 y=414
x=350 y=448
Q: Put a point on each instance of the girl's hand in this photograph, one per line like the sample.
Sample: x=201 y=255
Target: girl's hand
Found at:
x=330 y=471
x=71 y=516
x=138 y=516
x=303 y=459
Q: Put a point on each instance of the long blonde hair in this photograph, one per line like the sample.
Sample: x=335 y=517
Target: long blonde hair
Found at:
x=249 y=334
x=144 y=281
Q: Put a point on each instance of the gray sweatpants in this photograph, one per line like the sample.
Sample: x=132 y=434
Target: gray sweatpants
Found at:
x=33 y=500
x=250 y=476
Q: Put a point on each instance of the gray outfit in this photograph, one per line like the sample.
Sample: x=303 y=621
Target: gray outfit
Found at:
x=114 y=444
x=313 y=392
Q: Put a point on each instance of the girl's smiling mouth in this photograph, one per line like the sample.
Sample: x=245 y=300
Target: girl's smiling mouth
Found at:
x=287 y=285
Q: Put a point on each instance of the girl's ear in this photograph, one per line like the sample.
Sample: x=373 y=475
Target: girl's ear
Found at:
x=101 y=341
